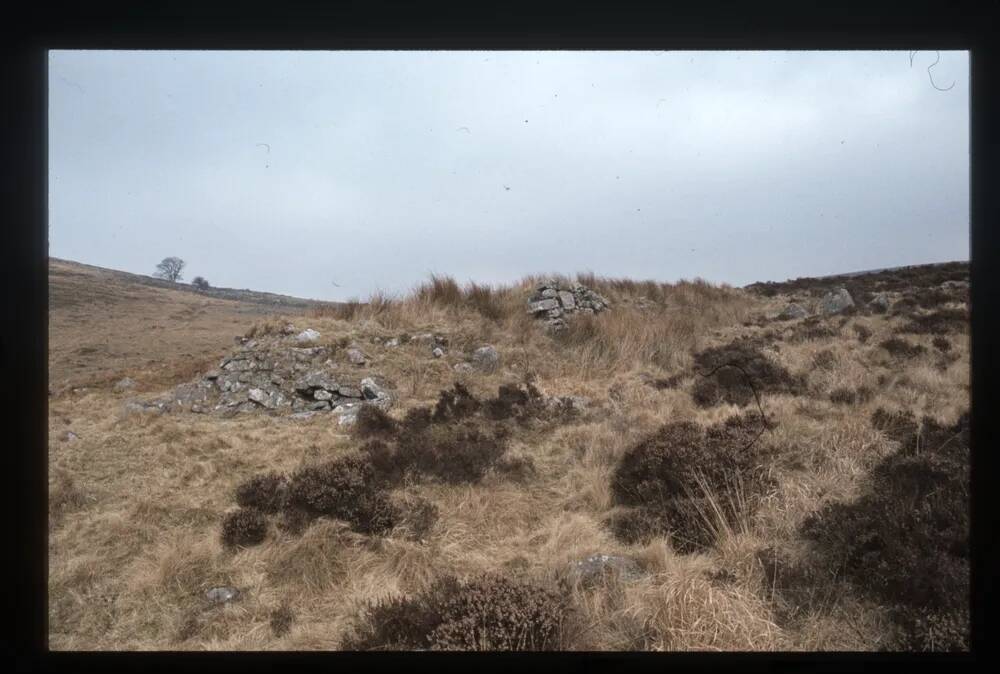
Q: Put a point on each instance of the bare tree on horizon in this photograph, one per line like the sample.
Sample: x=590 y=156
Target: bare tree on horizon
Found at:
x=170 y=269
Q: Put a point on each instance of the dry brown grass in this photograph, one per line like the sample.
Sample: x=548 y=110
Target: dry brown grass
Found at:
x=136 y=503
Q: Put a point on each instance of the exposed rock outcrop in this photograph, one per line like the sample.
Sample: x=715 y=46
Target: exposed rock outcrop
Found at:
x=836 y=301
x=276 y=375
x=554 y=303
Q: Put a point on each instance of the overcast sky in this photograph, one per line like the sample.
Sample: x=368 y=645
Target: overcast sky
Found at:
x=290 y=172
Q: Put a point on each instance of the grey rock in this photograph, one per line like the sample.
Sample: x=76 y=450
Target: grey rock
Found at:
x=569 y=403
x=305 y=354
x=123 y=385
x=258 y=396
x=221 y=595
x=597 y=566
x=347 y=413
x=186 y=394
x=307 y=336
x=791 y=312
x=880 y=303
x=836 y=301
x=371 y=390
x=314 y=380
x=485 y=358
x=542 y=305
x=566 y=300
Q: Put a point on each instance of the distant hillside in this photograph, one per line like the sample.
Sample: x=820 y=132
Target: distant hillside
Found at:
x=241 y=295
x=890 y=278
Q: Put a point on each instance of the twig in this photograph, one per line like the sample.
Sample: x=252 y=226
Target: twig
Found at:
x=753 y=389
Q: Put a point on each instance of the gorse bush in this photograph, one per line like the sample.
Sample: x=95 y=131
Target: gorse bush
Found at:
x=488 y=613
x=905 y=541
x=244 y=527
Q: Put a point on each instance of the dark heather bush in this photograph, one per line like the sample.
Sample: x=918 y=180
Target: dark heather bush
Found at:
x=663 y=474
x=244 y=527
x=724 y=373
x=813 y=327
x=843 y=396
x=904 y=306
x=905 y=540
x=265 y=492
x=863 y=332
x=455 y=455
x=517 y=468
x=933 y=297
x=417 y=420
x=898 y=426
x=388 y=465
x=346 y=489
x=490 y=613
x=455 y=404
x=671 y=382
x=281 y=620
x=847 y=396
x=825 y=359
x=938 y=322
x=372 y=421
x=901 y=348
x=514 y=401
x=796 y=586
x=294 y=520
x=941 y=344
x=636 y=525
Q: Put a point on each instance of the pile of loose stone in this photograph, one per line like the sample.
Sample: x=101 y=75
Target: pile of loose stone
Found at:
x=288 y=373
x=553 y=303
